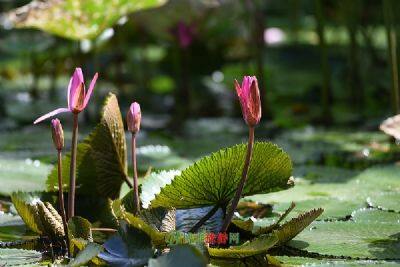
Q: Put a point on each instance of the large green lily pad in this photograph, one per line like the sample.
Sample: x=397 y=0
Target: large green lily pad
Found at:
x=213 y=179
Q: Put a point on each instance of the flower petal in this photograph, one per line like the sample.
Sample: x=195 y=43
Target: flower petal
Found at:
x=75 y=81
x=90 y=90
x=51 y=114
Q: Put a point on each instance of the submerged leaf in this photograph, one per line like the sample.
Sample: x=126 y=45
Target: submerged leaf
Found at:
x=213 y=179
x=180 y=256
x=130 y=247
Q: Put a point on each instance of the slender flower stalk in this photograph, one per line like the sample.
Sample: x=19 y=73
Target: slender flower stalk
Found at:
x=58 y=140
x=133 y=118
x=78 y=98
x=249 y=97
x=72 y=167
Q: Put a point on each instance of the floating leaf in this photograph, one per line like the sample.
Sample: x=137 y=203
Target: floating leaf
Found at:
x=372 y=240
x=333 y=208
x=180 y=256
x=22 y=175
x=12 y=256
x=386 y=201
x=259 y=245
x=373 y=215
x=101 y=157
x=130 y=247
x=76 y=19
x=293 y=227
x=213 y=179
x=304 y=261
x=352 y=192
x=87 y=254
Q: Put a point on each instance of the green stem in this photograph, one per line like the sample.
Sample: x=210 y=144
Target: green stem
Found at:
x=61 y=199
x=135 y=176
x=72 y=173
x=239 y=190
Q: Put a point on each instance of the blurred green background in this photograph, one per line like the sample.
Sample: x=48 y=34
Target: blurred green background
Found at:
x=328 y=73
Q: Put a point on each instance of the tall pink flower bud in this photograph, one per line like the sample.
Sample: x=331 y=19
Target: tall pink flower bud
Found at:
x=57 y=134
x=78 y=96
x=134 y=117
x=249 y=97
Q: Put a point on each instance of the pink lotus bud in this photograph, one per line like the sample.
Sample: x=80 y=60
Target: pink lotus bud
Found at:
x=249 y=97
x=57 y=134
x=134 y=117
x=78 y=98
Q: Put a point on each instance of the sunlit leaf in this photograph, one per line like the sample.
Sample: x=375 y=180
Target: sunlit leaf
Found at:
x=76 y=19
x=10 y=257
x=213 y=179
x=292 y=228
x=372 y=240
x=259 y=245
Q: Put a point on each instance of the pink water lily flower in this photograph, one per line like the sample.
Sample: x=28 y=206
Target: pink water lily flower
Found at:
x=78 y=97
x=249 y=97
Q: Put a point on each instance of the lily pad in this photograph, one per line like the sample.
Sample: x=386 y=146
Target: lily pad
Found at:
x=374 y=215
x=304 y=261
x=213 y=179
x=11 y=256
x=76 y=19
x=22 y=175
x=386 y=201
x=364 y=240
x=180 y=256
x=333 y=208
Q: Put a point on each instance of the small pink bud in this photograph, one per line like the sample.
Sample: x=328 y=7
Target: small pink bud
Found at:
x=57 y=134
x=249 y=97
x=134 y=117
